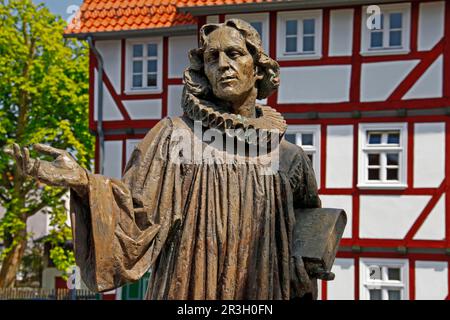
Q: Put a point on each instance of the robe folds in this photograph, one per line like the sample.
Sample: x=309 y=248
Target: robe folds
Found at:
x=208 y=231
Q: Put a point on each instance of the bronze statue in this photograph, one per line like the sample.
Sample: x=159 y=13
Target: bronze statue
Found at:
x=208 y=229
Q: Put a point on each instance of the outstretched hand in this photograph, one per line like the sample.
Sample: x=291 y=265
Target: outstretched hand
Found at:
x=63 y=171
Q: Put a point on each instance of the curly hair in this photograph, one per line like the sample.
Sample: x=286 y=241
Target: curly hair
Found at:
x=195 y=79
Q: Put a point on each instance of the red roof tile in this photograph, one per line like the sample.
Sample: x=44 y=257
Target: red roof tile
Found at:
x=117 y=15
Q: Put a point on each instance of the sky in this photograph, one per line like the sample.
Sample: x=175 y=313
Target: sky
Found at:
x=65 y=8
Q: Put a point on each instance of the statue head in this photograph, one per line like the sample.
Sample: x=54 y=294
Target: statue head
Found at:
x=230 y=63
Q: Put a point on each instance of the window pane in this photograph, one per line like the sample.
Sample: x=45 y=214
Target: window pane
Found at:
x=395 y=20
x=137 y=66
x=395 y=38
x=308 y=44
x=394 y=138
x=151 y=80
x=307 y=139
x=394 y=295
x=394 y=274
x=258 y=26
x=291 y=44
x=138 y=50
x=290 y=137
x=374 y=174
x=375 y=294
x=137 y=81
x=375 y=272
x=291 y=27
x=151 y=66
x=392 y=159
x=376 y=39
x=374 y=138
x=308 y=26
x=152 y=50
x=392 y=174
x=374 y=159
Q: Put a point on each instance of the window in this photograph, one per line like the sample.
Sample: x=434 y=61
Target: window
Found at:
x=300 y=35
x=382 y=155
x=307 y=137
x=384 y=279
x=259 y=21
x=144 y=66
x=392 y=36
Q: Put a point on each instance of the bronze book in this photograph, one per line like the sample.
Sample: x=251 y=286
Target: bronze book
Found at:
x=317 y=233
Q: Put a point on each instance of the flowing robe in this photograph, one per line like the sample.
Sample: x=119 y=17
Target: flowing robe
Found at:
x=220 y=231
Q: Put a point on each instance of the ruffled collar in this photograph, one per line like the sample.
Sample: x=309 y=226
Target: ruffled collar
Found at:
x=269 y=123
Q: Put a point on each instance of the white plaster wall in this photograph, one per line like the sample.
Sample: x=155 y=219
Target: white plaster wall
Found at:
x=380 y=79
x=429 y=154
x=430 y=84
x=314 y=84
x=174 y=101
x=341 y=32
x=431 y=280
x=179 y=54
x=110 y=109
x=340 y=202
x=343 y=286
x=431 y=24
x=144 y=109
x=389 y=216
x=433 y=228
x=38 y=225
x=111 y=53
x=113 y=159
x=339 y=162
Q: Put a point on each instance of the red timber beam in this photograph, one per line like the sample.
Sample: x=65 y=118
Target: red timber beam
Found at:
x=272 y=100
x=446 y=90
x=426 y=211
x=355 y=80
x=417 y=72
x=165 y=77
x=112 y=92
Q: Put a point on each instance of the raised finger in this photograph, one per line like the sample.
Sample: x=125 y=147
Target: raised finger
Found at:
x=18 y=156
x=45 y=149
x=26 y=160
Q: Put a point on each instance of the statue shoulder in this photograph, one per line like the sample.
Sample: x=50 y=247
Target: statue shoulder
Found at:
x=291 y=156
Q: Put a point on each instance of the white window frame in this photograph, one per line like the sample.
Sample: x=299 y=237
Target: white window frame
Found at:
x=256 y=17
x=315 y=149
x=282 y=17
x=405 y=9
x=129 y=66
x=363 y=181
x=366 y=283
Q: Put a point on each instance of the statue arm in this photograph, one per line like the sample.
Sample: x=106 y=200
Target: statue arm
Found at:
x=120 y=226
x=303 y=183
x=305 y=195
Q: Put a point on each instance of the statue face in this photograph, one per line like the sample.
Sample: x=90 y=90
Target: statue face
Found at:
x=229 y=66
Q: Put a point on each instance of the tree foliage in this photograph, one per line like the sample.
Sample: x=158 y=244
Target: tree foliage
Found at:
x=43 y=99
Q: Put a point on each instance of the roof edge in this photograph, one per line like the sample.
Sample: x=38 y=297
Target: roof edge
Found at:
x=111 y=35
x=278 y=5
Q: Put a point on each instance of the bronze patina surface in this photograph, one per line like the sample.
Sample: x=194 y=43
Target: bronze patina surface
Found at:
x=209 y=229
